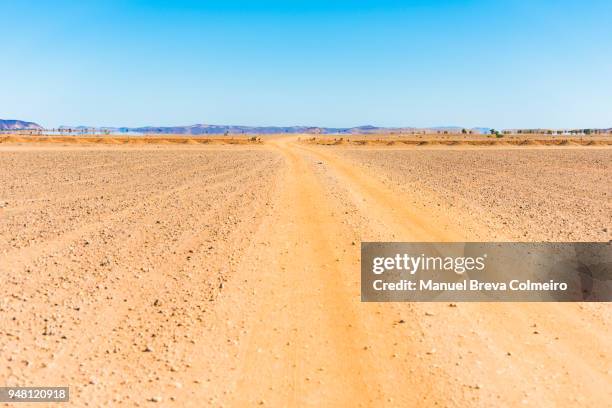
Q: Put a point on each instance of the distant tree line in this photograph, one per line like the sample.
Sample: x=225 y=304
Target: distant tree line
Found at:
x=563 y=131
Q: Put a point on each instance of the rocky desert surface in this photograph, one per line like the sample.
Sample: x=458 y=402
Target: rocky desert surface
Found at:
x=538 y=194
x=188 y=274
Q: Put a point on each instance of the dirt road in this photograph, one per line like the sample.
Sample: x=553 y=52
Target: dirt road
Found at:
x=149 y=299
x=309 y=341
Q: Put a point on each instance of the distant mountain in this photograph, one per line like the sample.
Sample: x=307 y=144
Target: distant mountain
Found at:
x=204 y=129
x=10 y=124
x=482 y=130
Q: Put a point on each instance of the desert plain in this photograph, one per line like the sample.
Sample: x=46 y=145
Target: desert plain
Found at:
x=182 y=273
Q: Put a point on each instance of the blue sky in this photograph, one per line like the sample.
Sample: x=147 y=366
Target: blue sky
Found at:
x=538 y=63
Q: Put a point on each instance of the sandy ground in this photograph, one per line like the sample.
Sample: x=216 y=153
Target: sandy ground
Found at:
x=229 y=275
x=538 y=194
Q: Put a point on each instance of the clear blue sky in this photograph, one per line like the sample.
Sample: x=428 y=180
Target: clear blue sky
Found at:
x=523 y=63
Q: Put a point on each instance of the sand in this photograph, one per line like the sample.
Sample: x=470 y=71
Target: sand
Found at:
x=228 y=275
x=539 y=194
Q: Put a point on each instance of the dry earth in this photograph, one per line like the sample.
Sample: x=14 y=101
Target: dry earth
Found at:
x=229 y=275
x=538 y=194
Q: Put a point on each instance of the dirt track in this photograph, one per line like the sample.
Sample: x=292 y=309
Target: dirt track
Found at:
x=229 y=276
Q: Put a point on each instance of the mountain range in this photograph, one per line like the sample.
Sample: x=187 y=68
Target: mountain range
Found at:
x=203 y=129
x=11 y=124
